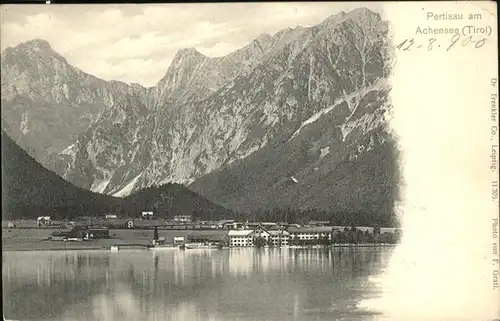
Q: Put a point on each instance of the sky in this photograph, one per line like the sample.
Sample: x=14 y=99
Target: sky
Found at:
x=135 y=43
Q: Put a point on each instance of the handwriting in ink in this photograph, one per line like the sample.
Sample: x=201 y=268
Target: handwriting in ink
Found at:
x=432 y=43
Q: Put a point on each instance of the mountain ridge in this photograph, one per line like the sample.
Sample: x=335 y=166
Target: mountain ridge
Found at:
x=206 y=113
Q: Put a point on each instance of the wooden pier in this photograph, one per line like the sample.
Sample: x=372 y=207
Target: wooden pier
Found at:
x=118 y=247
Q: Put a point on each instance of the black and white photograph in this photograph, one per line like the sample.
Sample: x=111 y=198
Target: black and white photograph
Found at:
x=261 y=161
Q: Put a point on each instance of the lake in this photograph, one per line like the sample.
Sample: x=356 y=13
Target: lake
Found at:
x=232 y=284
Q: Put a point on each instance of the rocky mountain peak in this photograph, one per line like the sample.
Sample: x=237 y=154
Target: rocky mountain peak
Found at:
x=360 y=16
x=188 y=53
x=33 y=50
x=37 y=45
x=333 y=20
x=361 y=13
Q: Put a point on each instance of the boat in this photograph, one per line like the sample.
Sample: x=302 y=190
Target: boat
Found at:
x=207 y=246
x=160 y=247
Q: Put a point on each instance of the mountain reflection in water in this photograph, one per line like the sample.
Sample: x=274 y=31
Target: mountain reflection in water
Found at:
x=239 y=284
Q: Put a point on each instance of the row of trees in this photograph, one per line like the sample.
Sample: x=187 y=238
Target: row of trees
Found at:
x=350 y=235
x=334 y=217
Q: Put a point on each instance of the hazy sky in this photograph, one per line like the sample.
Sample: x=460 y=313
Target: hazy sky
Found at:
x=136 y=43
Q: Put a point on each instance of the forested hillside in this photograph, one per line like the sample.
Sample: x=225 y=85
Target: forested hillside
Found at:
x=30 y=190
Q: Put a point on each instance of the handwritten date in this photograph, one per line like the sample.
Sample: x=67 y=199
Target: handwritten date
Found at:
x=409 y=44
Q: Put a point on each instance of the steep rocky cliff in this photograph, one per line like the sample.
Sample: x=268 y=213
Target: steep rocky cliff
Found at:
x=320 y=90
x=340 y=162
x=47 y=103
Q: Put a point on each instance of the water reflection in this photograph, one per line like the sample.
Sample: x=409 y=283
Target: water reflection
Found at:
x=240 y=284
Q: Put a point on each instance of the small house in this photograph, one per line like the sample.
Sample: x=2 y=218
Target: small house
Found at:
x=178 y=239
x=111 y=216
x=43 y=221
x=225 y=224
x=130 y=224
x=147 y=215
x=234 y=226
x=183 y=219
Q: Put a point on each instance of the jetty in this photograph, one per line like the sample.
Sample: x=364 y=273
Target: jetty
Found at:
x=118 y=247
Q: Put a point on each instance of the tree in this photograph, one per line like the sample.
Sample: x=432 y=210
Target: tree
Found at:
x=259 y=242
x=323 y=240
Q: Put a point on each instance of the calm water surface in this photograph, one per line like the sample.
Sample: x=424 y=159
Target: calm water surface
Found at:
x=236 y=284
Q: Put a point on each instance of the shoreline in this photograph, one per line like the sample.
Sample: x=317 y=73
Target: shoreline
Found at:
x=38 y=240
x=107 y=248
x=55 y=249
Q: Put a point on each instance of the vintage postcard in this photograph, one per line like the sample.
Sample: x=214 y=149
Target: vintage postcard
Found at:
x=250 y=161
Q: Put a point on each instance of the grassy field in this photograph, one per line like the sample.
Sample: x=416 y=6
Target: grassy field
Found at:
x=37 y=238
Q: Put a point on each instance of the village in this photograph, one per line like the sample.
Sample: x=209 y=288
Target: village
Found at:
x=183 y=230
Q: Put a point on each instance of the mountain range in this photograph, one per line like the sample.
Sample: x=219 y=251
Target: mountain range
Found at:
x=298 y=118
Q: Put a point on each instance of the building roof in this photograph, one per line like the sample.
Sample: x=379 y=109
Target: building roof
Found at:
x=364 y=228
x=239 y=232
x=207 y=237
x=311 y=229
x=225 y=221
x=359 y=228
x=276 y=232
x=319 y=222
x=247 y=232
x=388 y=229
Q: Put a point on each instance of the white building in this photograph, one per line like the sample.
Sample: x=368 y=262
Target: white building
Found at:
x=244 y=238
x=239 y=238
x=111 y=216
x=279 y=237
x=178 y=239
x=183 y=218
x=310 y=233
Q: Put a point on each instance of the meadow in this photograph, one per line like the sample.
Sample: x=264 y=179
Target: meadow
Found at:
x=37 y=238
